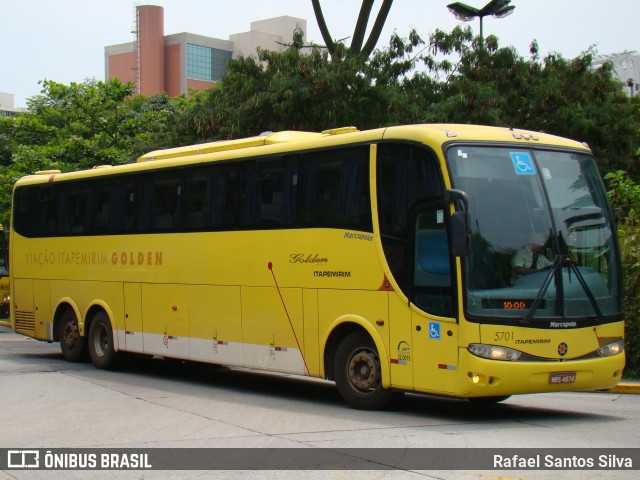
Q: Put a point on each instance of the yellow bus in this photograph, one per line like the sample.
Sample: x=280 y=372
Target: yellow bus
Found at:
x=4 y=280
x=384 y=260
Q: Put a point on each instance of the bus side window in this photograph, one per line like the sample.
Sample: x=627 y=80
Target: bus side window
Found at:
x=26 y=203
x=335 y=189
x=196 y=195
x=407 y=176
x=158 y=209
x=210 y=197
x=74 y=209
x=113 y=212
x=433 y=291
x=321 y=193
x=269 y=193
x=46 y=210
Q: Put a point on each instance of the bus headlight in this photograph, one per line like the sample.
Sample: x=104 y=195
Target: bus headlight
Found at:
x=612 y=349
x=494 y=352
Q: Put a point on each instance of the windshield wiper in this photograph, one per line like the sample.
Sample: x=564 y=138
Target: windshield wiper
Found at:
x=559 y=262
x=573 y=267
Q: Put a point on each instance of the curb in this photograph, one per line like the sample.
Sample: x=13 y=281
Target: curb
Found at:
x=630 y=387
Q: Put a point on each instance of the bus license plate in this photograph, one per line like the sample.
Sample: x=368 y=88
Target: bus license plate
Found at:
x=562 y=377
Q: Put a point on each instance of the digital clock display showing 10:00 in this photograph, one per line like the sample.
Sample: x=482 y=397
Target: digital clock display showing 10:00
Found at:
x=514 y=305
x=508 y=304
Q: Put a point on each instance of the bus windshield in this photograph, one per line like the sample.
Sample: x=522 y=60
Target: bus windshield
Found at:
x=542 y=241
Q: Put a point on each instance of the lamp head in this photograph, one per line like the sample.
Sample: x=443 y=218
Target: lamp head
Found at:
x=493 y=7
x=463 y=12
x=505 y=12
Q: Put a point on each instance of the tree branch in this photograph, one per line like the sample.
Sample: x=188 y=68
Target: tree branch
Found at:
x=326 y=36
x=361 y=26
x=377 y=27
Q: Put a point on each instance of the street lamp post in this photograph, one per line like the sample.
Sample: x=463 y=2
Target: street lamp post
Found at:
x=495 y=8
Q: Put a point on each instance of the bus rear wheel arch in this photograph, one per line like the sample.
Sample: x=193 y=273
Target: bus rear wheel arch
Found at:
x=100 y=342
x=358 y=373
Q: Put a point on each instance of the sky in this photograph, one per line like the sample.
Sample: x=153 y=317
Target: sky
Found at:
x=64 y=40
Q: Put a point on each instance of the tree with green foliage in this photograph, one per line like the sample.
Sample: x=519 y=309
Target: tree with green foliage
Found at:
x=624 y=195
x=459 y=82
x=496 y=86
x=79 y=126
x=296 y=90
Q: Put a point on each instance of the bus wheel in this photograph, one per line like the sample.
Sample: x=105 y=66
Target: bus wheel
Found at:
x=72 y=344
x=101 y=348
x=358 y=373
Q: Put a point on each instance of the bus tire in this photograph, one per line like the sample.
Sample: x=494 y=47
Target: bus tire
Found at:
x=101 y=347
x=72 y=344
x=358 y=373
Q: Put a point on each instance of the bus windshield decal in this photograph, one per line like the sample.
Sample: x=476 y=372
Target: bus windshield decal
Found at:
x=523 y=163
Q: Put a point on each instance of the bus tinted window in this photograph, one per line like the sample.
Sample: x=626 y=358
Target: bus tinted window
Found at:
x=327 y=189
x=210 y=198
x=74 y=209
x=158 y=202
x=269 y=193
x=336 y=189
x=46 y=210
x=114 y=206
x=406 y=176
x=25 y=216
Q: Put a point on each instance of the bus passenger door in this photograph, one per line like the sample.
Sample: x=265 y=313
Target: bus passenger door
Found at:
x=434 y=329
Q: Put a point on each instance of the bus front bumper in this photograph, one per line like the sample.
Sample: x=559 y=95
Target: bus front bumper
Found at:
x=480 y=377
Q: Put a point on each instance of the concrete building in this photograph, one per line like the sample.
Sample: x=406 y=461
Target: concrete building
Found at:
x=7 y=108
x=626 y=67
x=176 y=63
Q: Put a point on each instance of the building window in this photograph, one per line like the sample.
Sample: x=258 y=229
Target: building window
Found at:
x=204 y=63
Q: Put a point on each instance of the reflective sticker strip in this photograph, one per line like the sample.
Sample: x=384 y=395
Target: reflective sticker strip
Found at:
x=443 y=366
x=280 y=349
x=399 y=362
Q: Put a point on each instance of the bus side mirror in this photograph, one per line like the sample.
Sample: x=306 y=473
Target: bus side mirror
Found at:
x=460 y=238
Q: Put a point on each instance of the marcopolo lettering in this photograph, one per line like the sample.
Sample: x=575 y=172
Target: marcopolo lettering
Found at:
x=358 y=236
x=563 y=324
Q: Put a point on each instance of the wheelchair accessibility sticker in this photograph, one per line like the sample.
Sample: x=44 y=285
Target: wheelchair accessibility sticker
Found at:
x=523 y=163
x=434 y=330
